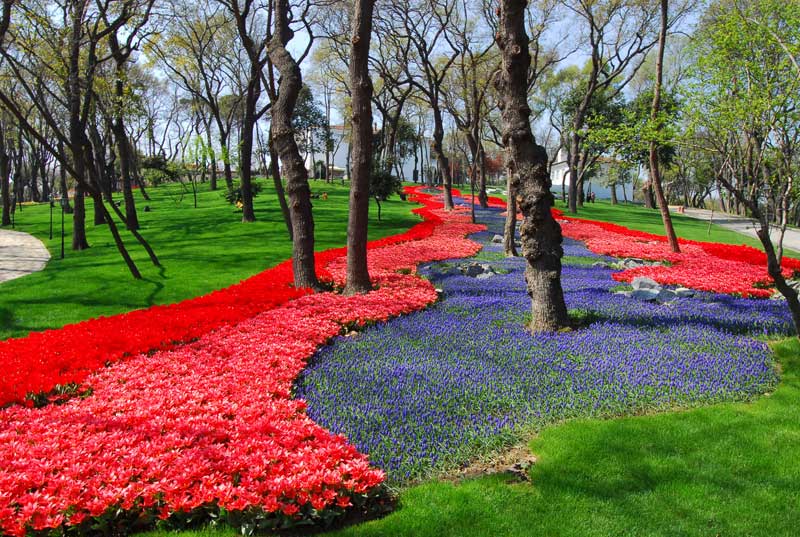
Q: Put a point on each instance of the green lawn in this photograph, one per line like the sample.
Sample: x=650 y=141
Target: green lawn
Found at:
x=200 y=249
x=637 y=217
x=723 y=470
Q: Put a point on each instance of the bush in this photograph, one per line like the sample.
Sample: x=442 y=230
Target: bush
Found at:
x=234 y=195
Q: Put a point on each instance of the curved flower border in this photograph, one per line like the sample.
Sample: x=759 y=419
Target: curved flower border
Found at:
x=209 y=428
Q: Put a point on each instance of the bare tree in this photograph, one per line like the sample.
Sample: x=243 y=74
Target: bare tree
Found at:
x=619 y=34
x=361 y=148
x=527 y=163
x=283 y=136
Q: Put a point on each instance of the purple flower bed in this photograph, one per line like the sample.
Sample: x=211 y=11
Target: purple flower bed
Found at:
x=434 y=388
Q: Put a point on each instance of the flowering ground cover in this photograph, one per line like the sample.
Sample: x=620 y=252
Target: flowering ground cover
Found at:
x=435 y=388
x=57 y=359
x=208 y=429
x=707 y=266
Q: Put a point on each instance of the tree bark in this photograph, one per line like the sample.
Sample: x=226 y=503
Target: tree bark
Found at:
x=62 y=172
x=510 y=227
x=360 y=150
x=5 y=176
x=283 y=136
x=441 y=159
x=654 y=164
x=527 y=161
x=278 y=182
x=76 y=133
x=483 y=197
x=614 y=200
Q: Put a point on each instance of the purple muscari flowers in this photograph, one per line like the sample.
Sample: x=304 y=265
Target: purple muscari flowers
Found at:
x=432 y=389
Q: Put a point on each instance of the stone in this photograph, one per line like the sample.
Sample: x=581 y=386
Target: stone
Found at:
x=641 y=282
x=665 y=295
x=497 y=239
x=684 y=292
x=647 y=295
x=473 y=270
x=633 y=262
x=484 y=276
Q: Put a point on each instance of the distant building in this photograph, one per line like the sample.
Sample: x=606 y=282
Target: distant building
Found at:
x=339 y=160
x=559 y=175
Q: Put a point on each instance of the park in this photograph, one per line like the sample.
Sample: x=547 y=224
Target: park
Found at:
x=360 y=268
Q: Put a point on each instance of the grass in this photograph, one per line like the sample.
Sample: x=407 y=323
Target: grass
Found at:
x=200 y=249
x=723 y=470
x=649 y=220
x=729 y=469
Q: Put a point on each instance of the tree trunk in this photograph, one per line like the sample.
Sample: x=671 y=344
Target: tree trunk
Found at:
x=360 y=149
x=226 y=161
x=614 y=200
x=246 y=143
x=76 y=133
x=278 y=182
x=79 y=220
x=483 y=197
x=283 y=136
x=441 y=160
x=125 y=165
x=573 y=155
x=62 y=172
x=510 y=227
x=5 y=184
x=654 y=165
x=527 y=161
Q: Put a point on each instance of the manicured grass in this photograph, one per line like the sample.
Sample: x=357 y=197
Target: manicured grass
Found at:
x=723 y=470
x=200 y=249
x=637 y=217
x=727 y=469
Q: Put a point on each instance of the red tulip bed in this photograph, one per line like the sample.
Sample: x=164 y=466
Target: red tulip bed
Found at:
x=706 y=266
x=207 y=429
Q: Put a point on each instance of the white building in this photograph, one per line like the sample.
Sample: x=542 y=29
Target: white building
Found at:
x=559 y=175
x=339 y=160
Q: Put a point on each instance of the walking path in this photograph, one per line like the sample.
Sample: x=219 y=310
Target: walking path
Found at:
x=744 y=225
x=20 y=254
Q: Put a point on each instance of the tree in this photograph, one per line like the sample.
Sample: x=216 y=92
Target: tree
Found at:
x=283 y=137
x=527 y=163
x=248 y=18
x=654 y=117
x=195 y=51
x=743 y=106
x=619 y=33
x=360 y=149
x=427 y=25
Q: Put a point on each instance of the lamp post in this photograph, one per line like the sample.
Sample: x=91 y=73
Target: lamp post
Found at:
x=51 y=216
x=63 y=203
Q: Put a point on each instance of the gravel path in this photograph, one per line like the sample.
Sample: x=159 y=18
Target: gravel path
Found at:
x=746 y=226
x=20 y=254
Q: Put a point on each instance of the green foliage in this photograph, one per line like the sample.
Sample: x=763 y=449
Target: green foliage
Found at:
x=383 y=184
x=234 y=195
x=201 y=250
x=629 y=137
x=309 y=123
x=156 y=170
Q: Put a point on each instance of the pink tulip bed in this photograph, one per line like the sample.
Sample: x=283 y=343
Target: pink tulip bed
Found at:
x=194 y=420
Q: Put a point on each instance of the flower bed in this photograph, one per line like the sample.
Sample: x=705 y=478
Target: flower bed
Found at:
x=208 y=429
x=706 y=266
x=436 y=388
x=36 y=364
